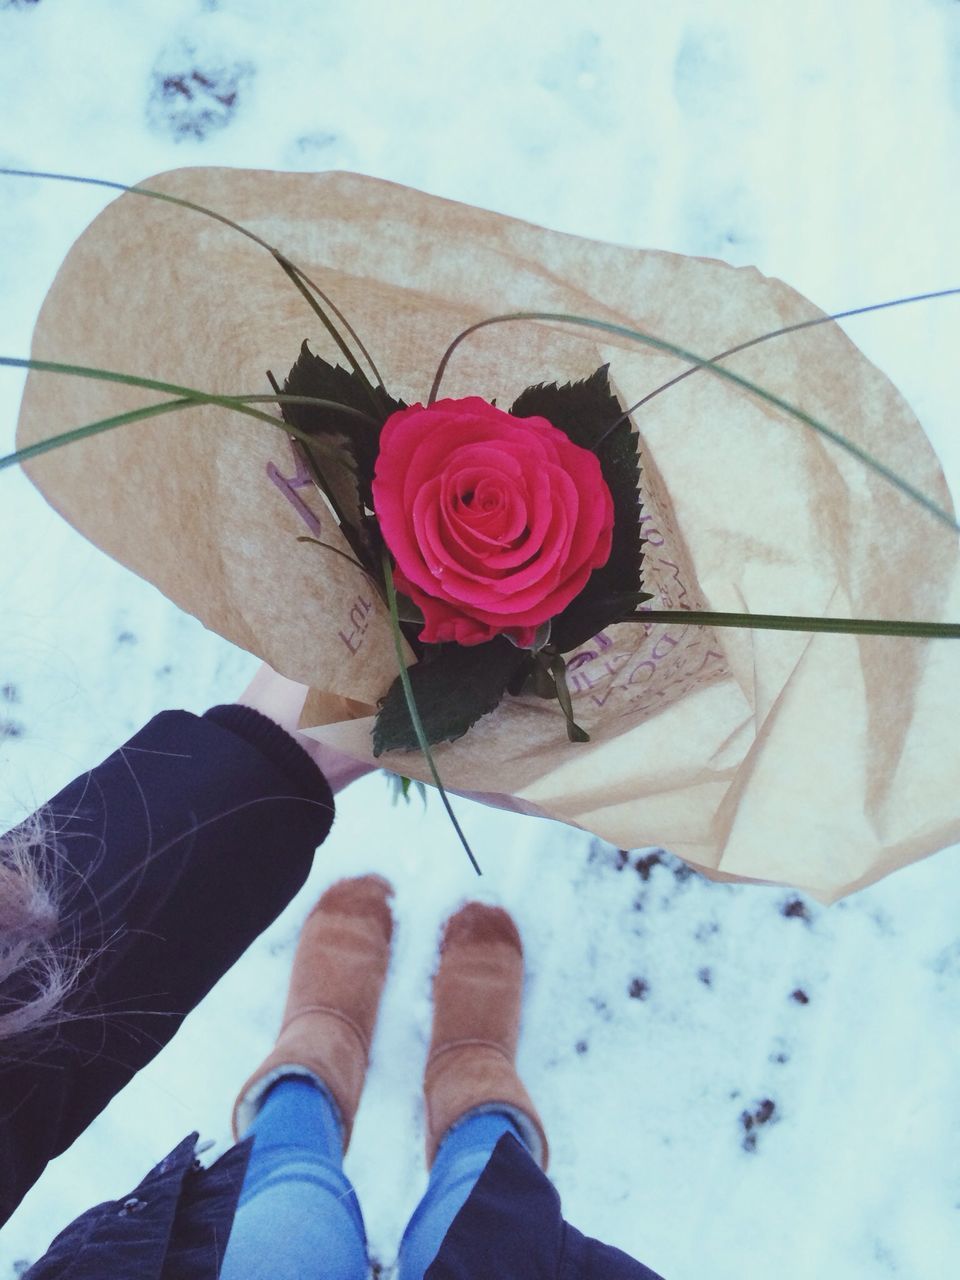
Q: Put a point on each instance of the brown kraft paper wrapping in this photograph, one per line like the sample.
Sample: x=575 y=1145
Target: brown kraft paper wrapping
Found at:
x=820 y=761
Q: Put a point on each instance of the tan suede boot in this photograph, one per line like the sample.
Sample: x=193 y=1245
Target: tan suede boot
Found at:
x=477 y=993
x=332 y=1001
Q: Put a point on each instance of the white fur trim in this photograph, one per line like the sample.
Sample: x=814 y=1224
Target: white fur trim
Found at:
x=252 y=1100
x=528 y=1131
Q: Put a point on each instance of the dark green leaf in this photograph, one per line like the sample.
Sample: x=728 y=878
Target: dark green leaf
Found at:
x=584 y=411
x=453 y=688
x=521 y=677
x=409 y=612
x=591 y=611
x=332 y=466
x=558 y=669
x=314 y=376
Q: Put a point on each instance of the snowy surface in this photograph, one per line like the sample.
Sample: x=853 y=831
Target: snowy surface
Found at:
x=736 y=1082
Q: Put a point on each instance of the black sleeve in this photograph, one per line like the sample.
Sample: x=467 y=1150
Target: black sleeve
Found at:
x=173 y=855
x=512 y=1225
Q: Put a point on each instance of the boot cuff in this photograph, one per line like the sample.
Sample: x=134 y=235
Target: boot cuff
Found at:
x=249 y=1103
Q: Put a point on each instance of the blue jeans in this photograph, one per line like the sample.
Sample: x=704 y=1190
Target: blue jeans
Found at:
x=299 y=1218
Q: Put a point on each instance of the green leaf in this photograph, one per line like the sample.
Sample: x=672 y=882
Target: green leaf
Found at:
x=558 y=669
x=333 y=469
x=453 y=687
x=522 y=677
x=401 y=787
x=409 y=613
x=313 y=376
x=189 y=396
x=584 y=411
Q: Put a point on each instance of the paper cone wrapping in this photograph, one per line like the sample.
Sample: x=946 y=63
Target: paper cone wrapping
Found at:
x=820 y=761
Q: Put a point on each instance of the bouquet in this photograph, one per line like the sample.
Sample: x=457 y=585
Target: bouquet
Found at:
x=595 y=587
x=501 y=540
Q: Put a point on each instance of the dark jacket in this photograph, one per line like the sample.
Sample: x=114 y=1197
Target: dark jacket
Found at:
x=511 y=1228
x=173 y=1226
x=173 y=855
x=178 y=851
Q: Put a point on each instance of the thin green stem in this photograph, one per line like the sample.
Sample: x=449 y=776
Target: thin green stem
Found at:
x=775 y=333
x=284 y=262
x=349 y=559
x=336 y=550
x=790 y=622
x=412 y=706
x=187 y=396
x=94 y=428
x=719 y=371
x=300 y=281
x=281 y=397
x=173 y=388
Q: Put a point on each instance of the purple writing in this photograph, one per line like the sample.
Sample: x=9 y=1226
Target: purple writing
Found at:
x=288 y=486
x=356 y=626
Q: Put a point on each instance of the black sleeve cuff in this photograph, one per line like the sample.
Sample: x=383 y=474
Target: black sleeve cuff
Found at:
x=276 y=744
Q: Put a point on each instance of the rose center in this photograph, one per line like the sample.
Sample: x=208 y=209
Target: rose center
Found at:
x=484 y=513
x=489 y=501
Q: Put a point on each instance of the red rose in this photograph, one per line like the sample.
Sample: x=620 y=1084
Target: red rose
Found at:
x=495 y=523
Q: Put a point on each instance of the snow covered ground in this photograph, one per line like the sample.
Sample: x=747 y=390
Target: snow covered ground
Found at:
x=736 y=1081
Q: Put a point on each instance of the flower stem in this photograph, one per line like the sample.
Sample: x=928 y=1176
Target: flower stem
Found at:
x=412 y=706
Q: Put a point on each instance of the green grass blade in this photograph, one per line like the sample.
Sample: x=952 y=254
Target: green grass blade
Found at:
x=81 y=433
x=412 y=706
x=349 y=559
x=108 y=424
x=779 y=333
x=300 y=282
x=558 y=671
x=288 y=266
x=92 y=429
x=791 y=622
x=187 y=396
x=336 y=550
x=719 y=371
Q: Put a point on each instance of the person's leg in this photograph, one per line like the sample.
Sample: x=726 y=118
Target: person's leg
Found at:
x=477 y=995
x=298 y=1217
x=472 y=1093
x=461 y=1158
